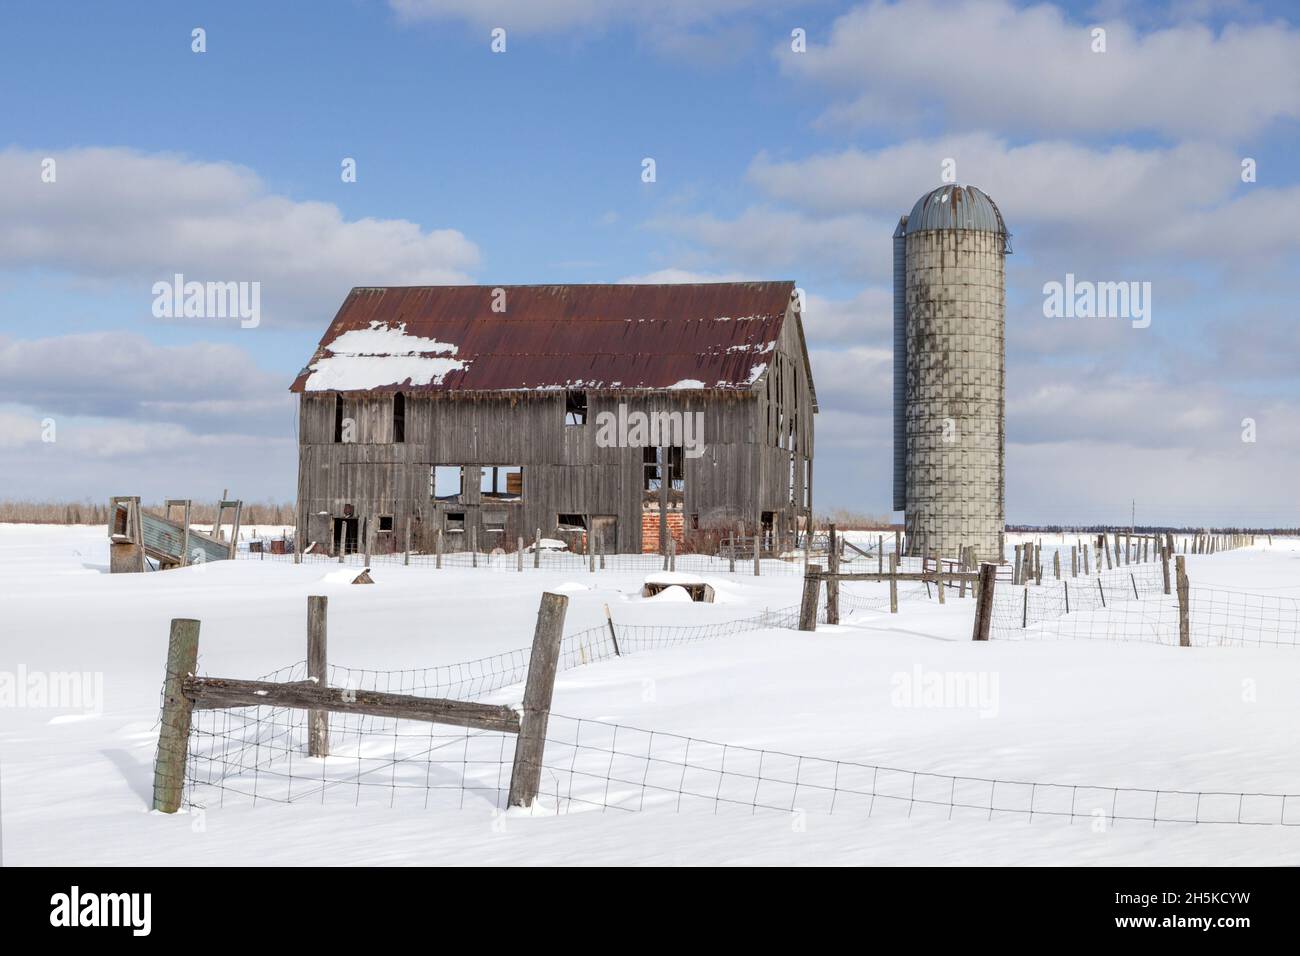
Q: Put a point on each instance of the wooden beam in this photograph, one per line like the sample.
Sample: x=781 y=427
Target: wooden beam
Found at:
x=209 y=693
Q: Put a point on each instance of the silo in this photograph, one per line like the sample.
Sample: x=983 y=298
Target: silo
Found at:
x=949 y=373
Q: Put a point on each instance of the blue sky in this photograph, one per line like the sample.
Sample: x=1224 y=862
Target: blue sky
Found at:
x=525 y=167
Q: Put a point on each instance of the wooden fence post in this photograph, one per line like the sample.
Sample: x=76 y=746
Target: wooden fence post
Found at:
x=812 y=586
x=591 y=553
x=984 y=602
x=898 y=542
x=609 y=619
x=473 y=544
x=1024 y=610
x=833 y=584
x=880 y=554
x=177 y=710
x=1056 y=564
x=526 y=774
x=893 y=583
x=1164 y=566
x=537 y=549
x=1066 y=585
x=731 y=553
x=437 y=560
x=1086 y=572
x=1184 y=599
x=1015 y=568
x=1074 y=560
x=938 y=572
x=519 y=552
x=406 y=554
x=318 y=721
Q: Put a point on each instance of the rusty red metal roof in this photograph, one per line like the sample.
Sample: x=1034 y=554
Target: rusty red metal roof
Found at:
x=449 y=338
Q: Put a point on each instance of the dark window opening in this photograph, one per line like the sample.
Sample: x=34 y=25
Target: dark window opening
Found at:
x=399 y=418
x=571 y=522
x=385 y=522
x=575 y=408
x=650 y=468
x=455 y=521
x=346 y=535
x=338 y=418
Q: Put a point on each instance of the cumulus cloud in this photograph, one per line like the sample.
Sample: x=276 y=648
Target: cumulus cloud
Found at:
x=122 y=214
x=125 y=376
x=974 y=64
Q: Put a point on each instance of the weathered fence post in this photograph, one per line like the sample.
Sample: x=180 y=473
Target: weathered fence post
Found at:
x=1024 y=610
x=537 y=548
x=1100 y=592
x=812 y=585
x=1086 y=571
x=526 y=774
x=406 y=553
x=833 y=584
x=731 y=554
x=437 y=558
x=893 y=583
x=1074 y=560
x=609 y=619
x=1066 y=585
x=938 y=571
x=519 y=553
x=1056 y=564
x=591 y=553
x=984 y=602
x=318 y=721
x=473 y=544
x=602 y=555
x=1164 y=566
x=1184 y=599
x=898 y=541
x=1015 y=568
x=177 y=709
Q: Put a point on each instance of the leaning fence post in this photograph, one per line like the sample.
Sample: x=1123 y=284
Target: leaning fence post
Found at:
x=526 y=773
x=1100 y=592
x=318 y=721
x=984 y=602
x=1184 y=595
x=812 y=585
x=177 y=710
x=609 y=619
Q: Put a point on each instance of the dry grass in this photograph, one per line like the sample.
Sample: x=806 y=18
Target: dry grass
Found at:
x=86 y=512
x=846 y=520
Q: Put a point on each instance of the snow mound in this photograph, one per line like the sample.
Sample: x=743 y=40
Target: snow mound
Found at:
x=673 y=594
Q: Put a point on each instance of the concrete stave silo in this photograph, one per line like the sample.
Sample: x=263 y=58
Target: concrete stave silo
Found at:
x=949 y=373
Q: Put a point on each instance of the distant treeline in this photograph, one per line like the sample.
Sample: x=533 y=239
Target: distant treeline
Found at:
x=201 y=512
x=1144 y=529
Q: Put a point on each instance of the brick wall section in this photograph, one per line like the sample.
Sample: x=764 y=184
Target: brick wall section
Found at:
x=650 y=530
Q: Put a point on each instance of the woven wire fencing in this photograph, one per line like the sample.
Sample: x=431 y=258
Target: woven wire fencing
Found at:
x=259 y=753
x=595 y=765
x=1137 y=609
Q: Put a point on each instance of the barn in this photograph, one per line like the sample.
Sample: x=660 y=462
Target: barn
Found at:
x=610 y=416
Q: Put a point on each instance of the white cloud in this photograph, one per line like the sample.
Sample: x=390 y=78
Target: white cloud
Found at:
x=125 y=215
x=990 y=63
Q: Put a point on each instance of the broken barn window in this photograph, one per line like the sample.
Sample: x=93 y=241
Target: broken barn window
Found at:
x=455 y=521
x=338 y=418
x=575 y=408
x=399 y=418
x=505 y=482
x=385 y=522
x=570 y=522
x=445 y=482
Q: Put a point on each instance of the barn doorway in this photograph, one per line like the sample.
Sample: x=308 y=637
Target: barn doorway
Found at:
x=345 y=535
x=604 y=533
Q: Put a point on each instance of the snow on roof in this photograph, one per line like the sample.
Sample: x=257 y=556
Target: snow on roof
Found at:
x=483 y=338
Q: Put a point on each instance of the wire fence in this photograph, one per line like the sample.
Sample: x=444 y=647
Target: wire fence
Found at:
x=1132 y=606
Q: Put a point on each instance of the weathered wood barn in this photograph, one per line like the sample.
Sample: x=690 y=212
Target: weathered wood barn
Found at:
x=609 y=415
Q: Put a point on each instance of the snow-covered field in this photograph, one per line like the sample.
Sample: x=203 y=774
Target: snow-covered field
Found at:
x=75 y=786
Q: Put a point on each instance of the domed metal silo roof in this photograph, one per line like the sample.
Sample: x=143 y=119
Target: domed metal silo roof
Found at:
x=956 y=207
